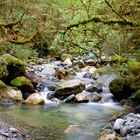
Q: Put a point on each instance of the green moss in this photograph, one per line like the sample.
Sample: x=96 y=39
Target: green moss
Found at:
x=118 y=59
x=120 y=88
x=23 y=84
x=21 y=81
x=3 y=85
x=137 y=95
x=15 y=66
x=134 y=67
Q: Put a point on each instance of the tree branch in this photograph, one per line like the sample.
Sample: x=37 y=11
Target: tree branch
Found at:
x=99 y=19
x=25 y=40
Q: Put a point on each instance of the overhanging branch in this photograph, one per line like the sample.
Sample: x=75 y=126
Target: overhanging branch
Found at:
x=99 y=19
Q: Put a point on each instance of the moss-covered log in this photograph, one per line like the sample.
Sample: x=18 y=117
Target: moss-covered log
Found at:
x=99 y=19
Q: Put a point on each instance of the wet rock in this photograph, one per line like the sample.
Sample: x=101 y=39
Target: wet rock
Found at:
x=88 y=75
x=68 y=87
x=81 y=98
x=68 y=62
x=98 y=87
x=90 y=88
x=69 y=99
x=96 y=97
x=23 y=83
x=14 y=94
x=48 y=70
x=34 y=99
x=125 y=130
x=56 y=101
x=118 y=124
x=7 y=94
x=107 y=98
x=88 y=96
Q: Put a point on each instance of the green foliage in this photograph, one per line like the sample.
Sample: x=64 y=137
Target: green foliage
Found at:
x=52 y=20
x=134 y=67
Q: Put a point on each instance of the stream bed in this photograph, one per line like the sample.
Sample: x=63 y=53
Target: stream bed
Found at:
x=64 y=122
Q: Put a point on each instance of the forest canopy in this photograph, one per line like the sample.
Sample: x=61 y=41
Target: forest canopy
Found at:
x=42 y=27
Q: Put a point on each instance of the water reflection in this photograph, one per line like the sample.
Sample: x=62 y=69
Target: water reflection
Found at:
x=65 y=122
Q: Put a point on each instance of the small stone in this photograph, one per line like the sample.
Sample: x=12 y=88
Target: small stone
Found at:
x=118 y=123
x=69 y=99
x=126 y=130
x=88 y=75
x=68 y=62
x=90 y=88
x=99 y=87
x=56 y=101
x=13 y=130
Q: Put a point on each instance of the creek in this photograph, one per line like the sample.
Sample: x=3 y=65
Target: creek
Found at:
x=67 y=121
x=64 y=122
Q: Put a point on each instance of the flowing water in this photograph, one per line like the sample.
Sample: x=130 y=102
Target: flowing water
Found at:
x=65 y=122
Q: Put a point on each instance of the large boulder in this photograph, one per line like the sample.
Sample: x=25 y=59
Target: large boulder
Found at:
x=35 y=99
x=23 y=83
x=69 y=87
x=123 y=88
x=7 y=94
x=15 y=66
x=120 y=88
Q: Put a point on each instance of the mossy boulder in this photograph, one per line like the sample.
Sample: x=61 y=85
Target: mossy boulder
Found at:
x=8 y=94
x=15 y=66
x=120 y=88
x=69 y=87
x=3 y=68
x=134 y=67
x=23 y=83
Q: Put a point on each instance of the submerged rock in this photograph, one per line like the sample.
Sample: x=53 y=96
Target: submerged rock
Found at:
x=35 y=99
x=68 y=87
